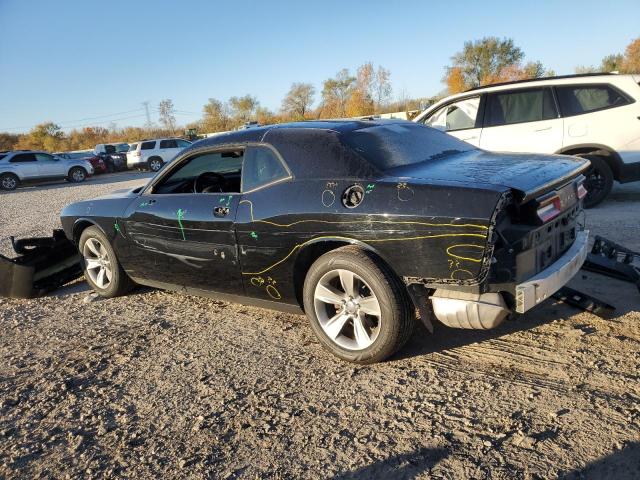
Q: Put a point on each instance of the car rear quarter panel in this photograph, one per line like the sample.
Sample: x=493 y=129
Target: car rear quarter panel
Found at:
x=437 y=232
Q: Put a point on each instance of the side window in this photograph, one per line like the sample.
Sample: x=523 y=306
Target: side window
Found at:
x=133 y=147
x=183 y=143
x=148 y=145
x=23 y=157
x=43 y=157
x=575 y=100
x=168 y=144
x=462 y=114
x=261 y=167
x=217 y=172
x=438 y=119
x=519 y=106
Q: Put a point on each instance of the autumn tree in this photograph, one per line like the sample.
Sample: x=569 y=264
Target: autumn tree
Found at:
x=8 y=141
x=455 y=80
x=166 y=111
x=612 y=63
x=382 y=87
x=45 y=136
x=298 y=101
x=335 y=94
x=215 y=116
x=631 y=62
x=243 y=108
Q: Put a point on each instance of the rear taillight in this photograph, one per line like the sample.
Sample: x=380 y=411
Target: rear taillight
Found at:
x=550 y=207
x=581 y=191
x=136 y=153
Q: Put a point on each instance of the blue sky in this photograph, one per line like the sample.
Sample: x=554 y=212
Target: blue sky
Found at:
x=69 y=61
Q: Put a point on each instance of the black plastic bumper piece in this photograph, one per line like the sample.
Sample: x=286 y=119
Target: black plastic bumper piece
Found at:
x=43 y=264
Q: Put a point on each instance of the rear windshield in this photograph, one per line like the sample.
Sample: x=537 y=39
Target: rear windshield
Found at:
x=123 y=147
x=2 y=156
x=399 y=144
x=133 y=146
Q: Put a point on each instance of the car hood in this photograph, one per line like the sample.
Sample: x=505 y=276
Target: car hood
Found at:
x=527 y=174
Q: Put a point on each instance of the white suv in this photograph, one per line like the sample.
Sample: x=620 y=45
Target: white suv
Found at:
x=596 y=116
x=153 y=154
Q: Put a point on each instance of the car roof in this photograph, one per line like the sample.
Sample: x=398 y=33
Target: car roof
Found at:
x=542 y=79
x=257 y=134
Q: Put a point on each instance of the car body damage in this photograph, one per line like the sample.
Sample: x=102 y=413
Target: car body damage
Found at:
x=42 y=264
x=433 y=222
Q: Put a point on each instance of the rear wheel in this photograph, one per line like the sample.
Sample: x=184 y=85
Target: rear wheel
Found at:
x=101 y=267
x=9 y=181
x=77 y=175
x=599 y=181
x=155 y=164
x=357 y=307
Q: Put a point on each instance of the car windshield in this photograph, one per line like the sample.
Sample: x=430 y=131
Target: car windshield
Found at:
x=2 y=156
x=399 y=144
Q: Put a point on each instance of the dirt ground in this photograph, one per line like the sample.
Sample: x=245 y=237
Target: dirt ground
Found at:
x=160 y=385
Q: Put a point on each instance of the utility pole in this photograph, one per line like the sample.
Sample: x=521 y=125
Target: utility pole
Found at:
x=149 y=124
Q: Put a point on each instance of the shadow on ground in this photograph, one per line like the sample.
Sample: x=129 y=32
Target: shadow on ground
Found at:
x=400 y=467
x=102 y=179
x=624 y=464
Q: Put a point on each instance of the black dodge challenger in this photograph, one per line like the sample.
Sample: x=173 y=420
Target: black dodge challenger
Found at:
x=358 y=224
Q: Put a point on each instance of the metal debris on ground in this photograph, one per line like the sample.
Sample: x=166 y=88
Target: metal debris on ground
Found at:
x=42 y=265
x=583 y=301
x=613 y=260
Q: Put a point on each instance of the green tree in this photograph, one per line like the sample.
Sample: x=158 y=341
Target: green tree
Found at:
x=481 y=61
x=612 y=63
x=297 y=103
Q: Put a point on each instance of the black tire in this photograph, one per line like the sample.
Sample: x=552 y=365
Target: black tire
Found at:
x=599 y=181
x=77 y=175
x=397 y=317
x=155 y=164
x=9 y=181
x=120 y=282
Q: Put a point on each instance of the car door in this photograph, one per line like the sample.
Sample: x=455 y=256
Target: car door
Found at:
x=50 y=166
x=180 y=237
x=522 y=120
x=26 y=165
x=168 y=149
x=459 y=118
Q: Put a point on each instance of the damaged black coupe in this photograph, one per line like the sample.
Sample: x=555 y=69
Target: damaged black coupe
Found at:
x=355 y=223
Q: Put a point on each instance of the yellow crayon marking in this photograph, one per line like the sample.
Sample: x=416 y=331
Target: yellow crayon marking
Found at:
x=350 y=222
x=465 y=245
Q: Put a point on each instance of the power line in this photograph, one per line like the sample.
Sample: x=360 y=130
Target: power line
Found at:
x=62 y=124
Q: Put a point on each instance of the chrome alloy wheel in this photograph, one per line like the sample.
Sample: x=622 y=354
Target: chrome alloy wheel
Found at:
x=78 y=175
x=9 y=182
x=347 y=309
x=98 y=263
x=155 y=165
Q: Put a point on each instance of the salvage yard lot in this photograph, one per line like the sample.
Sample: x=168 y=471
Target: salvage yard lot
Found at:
x=158 y=384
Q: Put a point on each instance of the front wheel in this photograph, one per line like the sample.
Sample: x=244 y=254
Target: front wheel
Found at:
x=102 y=270
x=599 y=181
x=357 y=307
x=77 y=175
x=9 y=181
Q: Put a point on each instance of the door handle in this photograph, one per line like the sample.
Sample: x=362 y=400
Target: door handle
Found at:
x=221 y=211
x=469 y=138
x=542 y=129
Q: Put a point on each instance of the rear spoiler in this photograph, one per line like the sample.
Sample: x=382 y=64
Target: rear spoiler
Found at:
x=43 y=264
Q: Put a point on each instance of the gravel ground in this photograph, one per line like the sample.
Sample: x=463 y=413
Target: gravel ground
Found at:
x=160 y=385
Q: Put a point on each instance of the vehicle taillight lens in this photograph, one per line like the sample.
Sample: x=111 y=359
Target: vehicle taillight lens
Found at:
x=136 y=153
x=549 y=208
x=581 y=191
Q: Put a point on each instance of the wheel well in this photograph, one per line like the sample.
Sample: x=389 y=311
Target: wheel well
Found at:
x=155 y=157
x=80 y=227
x=311 y=253
x=608 y=155
x=77 y=166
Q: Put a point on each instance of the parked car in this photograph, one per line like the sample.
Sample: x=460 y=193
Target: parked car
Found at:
x=24 y=166
x=153 y=154
x=591 y=116
x=355 y=223
x=96 y=162
x=114 y=155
